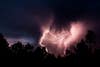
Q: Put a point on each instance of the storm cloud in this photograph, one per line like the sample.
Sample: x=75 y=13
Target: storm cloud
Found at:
x=18 y=18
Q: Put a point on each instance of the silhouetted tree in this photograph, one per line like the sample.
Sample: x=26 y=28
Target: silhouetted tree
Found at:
x=28 y=48
x=39 y=55
x=17 y=49
x=4 y=49
x=82 y=48
x=3 y=42
x=90 y=37
x=82 y=52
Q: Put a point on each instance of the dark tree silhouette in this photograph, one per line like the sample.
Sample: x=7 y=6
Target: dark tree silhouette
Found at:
x=39 y=55
x=28 y=48
x=3 y=42
x=17 y=49
x=4 y=49
x=90 y=37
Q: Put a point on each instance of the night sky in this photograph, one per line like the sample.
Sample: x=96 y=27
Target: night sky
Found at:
x=18 y=18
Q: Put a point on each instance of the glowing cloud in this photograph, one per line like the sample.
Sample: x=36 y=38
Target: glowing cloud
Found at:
x=57 y=42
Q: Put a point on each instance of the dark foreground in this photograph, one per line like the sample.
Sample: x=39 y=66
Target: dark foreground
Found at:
x=82 y=55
